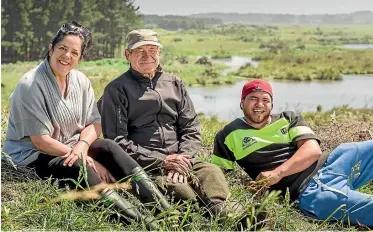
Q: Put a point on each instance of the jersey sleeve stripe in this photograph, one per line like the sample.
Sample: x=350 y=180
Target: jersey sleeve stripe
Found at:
x=299 y=130
x=221 y=162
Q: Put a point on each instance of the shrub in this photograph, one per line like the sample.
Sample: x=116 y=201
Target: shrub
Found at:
x=177 y=39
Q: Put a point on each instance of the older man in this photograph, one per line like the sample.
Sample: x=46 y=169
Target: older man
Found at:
x=149 y=113
x=280 y=151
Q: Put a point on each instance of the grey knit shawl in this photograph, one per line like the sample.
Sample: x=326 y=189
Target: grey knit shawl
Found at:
x=37 y=107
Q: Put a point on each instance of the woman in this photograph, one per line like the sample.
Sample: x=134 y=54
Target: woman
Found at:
x=54 y=125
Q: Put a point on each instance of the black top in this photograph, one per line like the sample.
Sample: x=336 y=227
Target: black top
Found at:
x=150 y=118
x=259 y=150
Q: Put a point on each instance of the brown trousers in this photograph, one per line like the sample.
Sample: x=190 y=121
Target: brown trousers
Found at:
x=208 y=185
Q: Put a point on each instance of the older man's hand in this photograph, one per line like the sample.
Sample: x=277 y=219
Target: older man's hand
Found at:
x=103 y=173
x=175 y=177
x=177 y=162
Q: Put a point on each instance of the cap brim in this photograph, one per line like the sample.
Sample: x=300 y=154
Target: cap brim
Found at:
x=138 y=44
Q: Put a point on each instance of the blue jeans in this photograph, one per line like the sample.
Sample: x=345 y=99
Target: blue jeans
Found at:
x=331 y=192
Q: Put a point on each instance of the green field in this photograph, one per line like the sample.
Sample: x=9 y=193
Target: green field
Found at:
x=285 y=52
x=292 y=52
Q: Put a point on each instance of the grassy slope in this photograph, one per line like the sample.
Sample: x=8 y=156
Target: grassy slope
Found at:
x=27 y=202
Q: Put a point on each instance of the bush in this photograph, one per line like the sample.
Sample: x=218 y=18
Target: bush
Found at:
x=301 y=46
x=204 y=61
x=177 y=39
x=182 y=59
x=211 y=73
x=319 y=108
x=167 y=56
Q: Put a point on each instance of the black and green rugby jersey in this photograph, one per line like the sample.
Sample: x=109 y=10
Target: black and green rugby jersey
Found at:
x=258 y=150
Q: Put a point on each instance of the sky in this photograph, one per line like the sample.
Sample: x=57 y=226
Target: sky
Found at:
x=185 y=7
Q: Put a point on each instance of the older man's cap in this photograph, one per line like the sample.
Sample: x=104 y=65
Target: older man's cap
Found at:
x=137 y=38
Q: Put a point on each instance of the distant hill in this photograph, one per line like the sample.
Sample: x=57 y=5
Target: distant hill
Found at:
x=175 y=22
x=359 y=17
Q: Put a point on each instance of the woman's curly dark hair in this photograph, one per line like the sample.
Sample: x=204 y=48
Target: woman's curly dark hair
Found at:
x=73 y=28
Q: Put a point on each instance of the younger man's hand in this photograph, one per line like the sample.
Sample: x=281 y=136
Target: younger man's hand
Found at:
x=270 y=177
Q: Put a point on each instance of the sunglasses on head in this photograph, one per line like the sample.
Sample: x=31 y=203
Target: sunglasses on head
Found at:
x=74 y=29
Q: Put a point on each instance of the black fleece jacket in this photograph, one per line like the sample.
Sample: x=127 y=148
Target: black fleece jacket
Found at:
x=150 y=118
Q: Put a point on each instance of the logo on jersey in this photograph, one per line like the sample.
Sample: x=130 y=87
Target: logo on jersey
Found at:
x=247 y=142
x=284 y=131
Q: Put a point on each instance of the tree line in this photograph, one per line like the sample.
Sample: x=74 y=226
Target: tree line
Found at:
x=358 y=17
x=175 y=22
x=28 y=26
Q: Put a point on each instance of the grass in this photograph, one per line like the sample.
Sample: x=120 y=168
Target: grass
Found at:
x=245 y=39
x=101 y=72
x=27 y=205
x=30 y=203
x=303 y=53
x=308 y=65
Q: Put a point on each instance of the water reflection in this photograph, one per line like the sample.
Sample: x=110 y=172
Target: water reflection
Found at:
x=234 y=63
x=355 y=91
x=358 y=46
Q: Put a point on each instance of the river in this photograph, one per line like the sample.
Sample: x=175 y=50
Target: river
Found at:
x=358 y=46
x=223 y=101
x=234 y=63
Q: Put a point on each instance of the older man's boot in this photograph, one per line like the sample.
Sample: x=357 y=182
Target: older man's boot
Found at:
x=147 y=189
x=128 y=209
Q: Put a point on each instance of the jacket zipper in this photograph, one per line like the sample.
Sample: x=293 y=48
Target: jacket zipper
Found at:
x=160 y=108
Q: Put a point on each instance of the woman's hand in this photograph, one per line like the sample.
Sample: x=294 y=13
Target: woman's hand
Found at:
x=79 y=151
